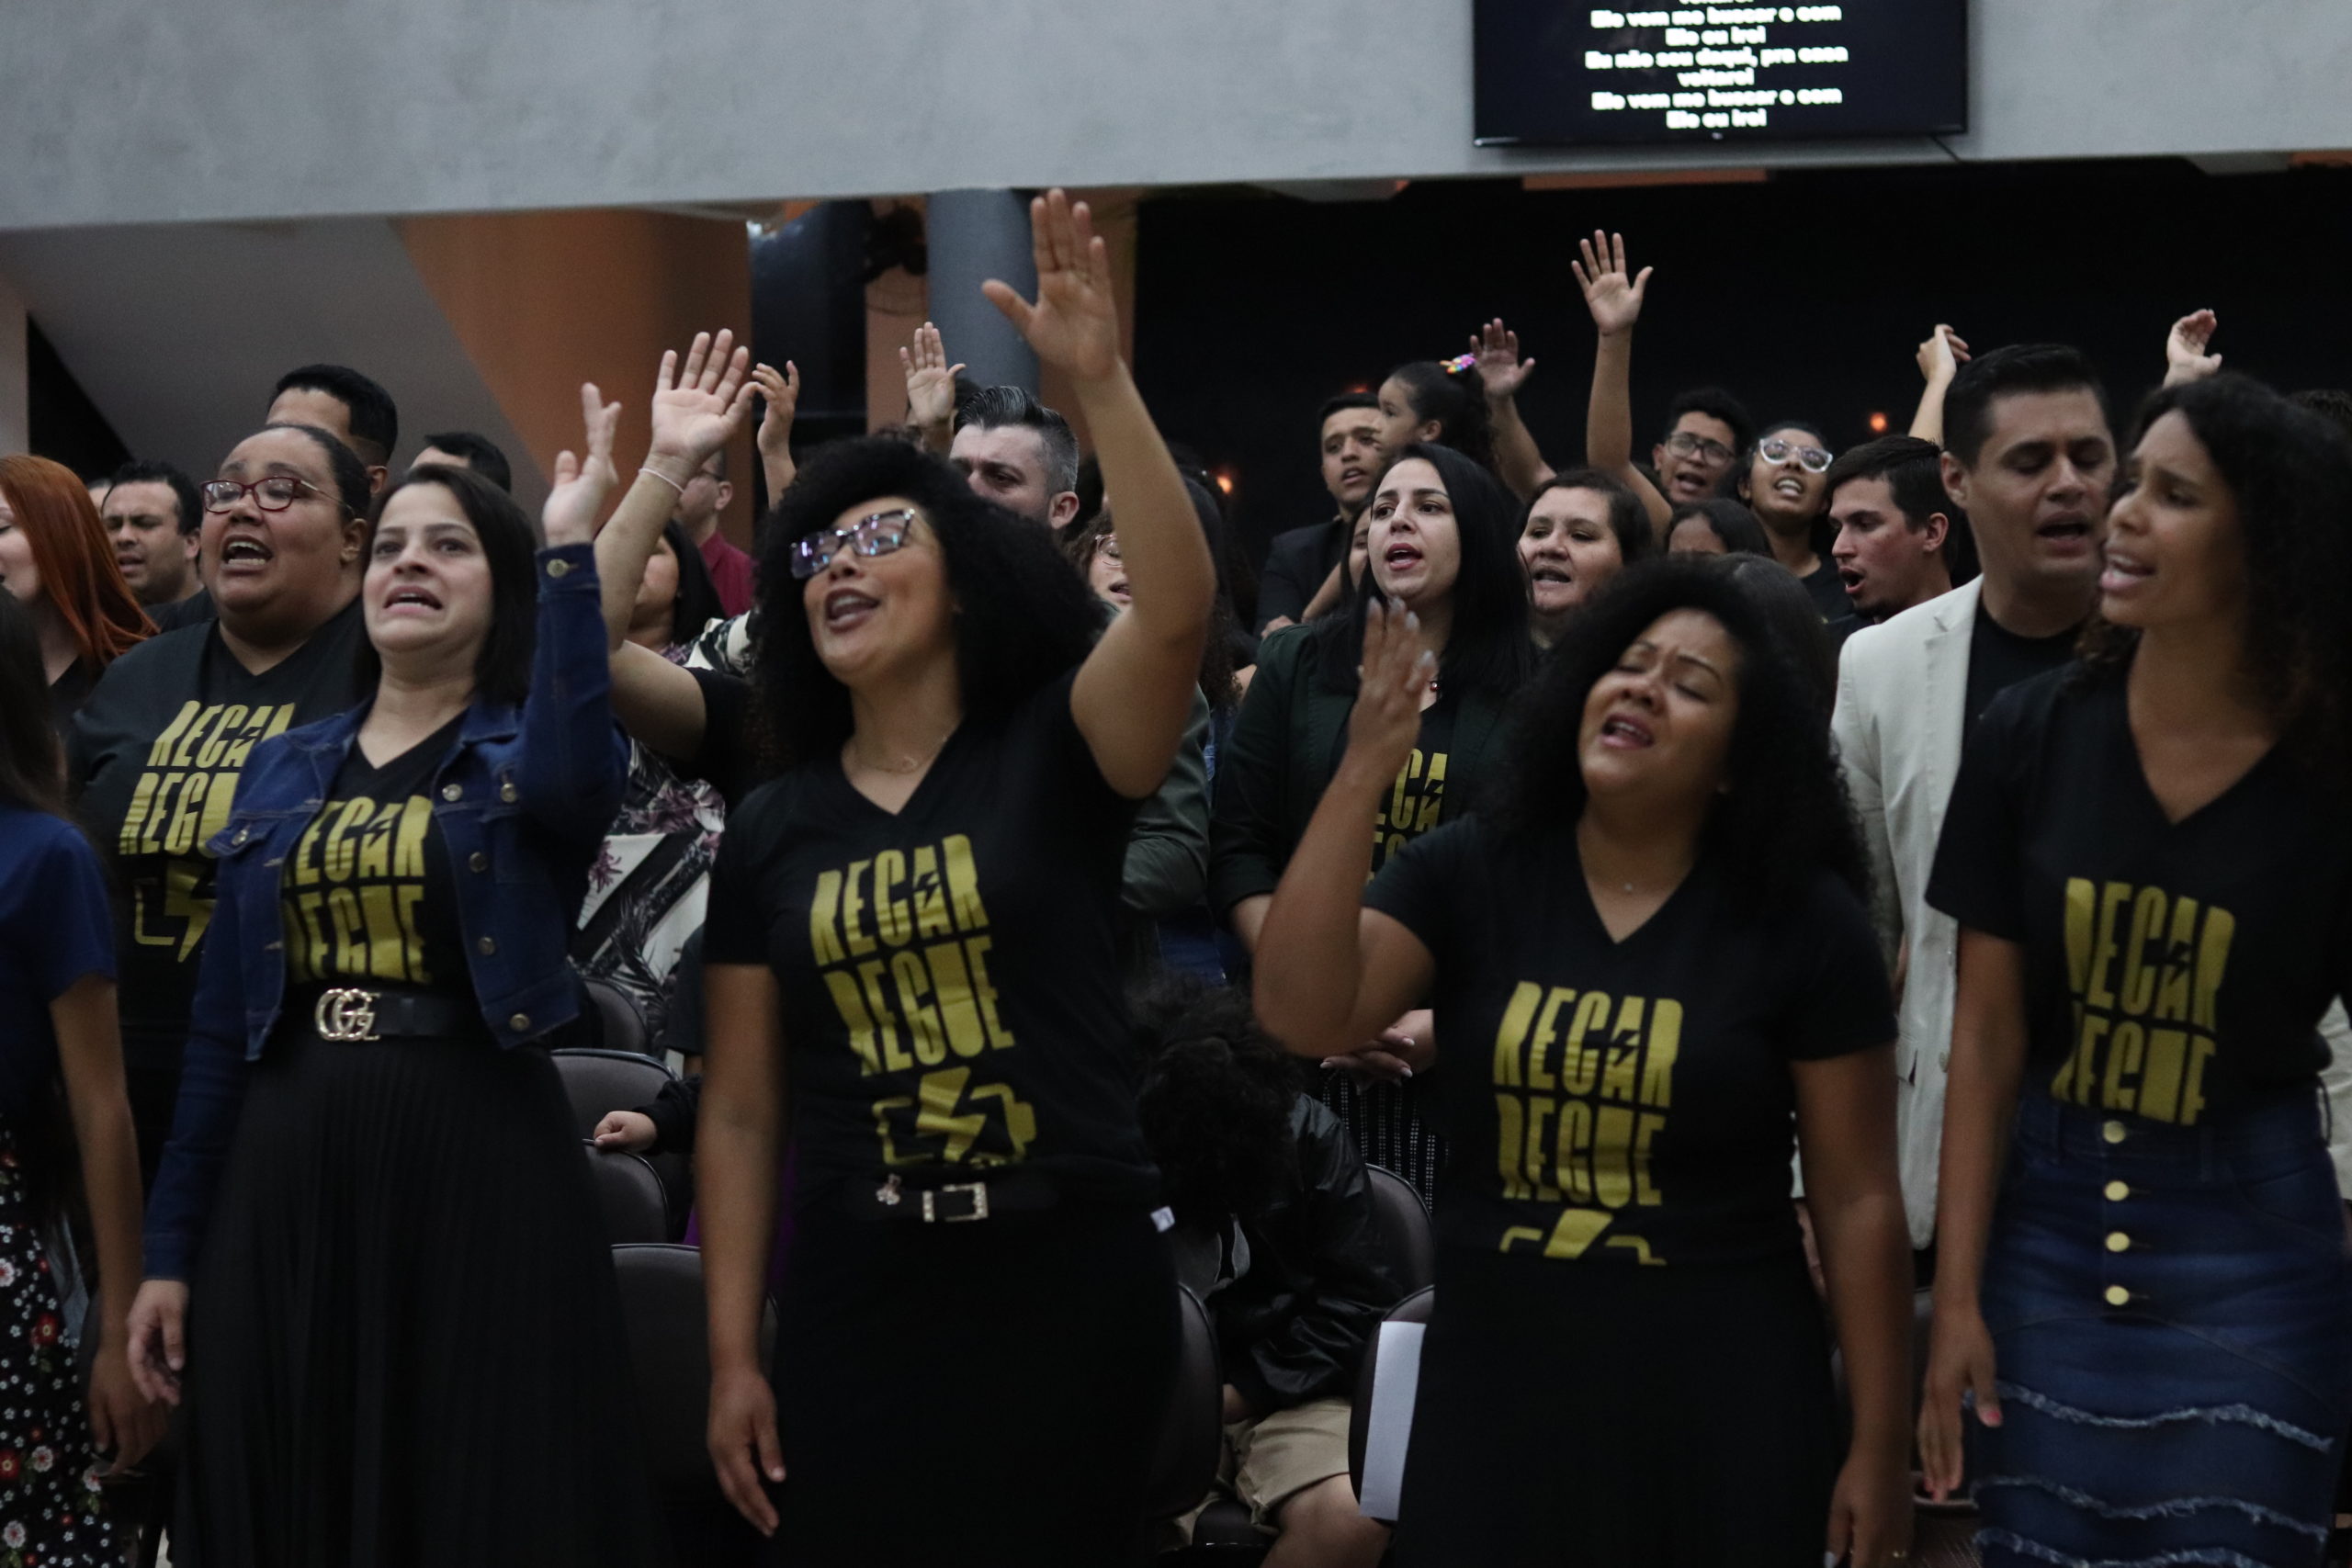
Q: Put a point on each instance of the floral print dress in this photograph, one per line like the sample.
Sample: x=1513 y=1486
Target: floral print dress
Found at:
x=52 y=1511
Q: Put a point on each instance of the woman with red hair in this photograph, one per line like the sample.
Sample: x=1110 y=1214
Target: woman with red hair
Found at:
x=56 y=560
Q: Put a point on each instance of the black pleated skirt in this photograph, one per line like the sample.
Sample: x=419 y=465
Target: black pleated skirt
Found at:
x=1604 y=1415
x=405 y=1342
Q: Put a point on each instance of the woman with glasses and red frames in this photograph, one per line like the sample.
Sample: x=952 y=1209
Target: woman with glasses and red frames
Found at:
x=911 y=938
x=157 y=750
x=56 y=560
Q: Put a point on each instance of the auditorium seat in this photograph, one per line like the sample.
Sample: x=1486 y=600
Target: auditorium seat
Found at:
x=619 y=1025
x=1407 y=1245
x=661 y=1307
x=629 y=1195
x=598 y=1082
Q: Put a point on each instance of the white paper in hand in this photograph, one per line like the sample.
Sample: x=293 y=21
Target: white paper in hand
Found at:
x=1396 y=1381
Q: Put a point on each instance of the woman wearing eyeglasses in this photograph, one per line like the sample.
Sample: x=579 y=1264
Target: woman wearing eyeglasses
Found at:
x=1787 y=486
x=911 y=944
x=158 y=747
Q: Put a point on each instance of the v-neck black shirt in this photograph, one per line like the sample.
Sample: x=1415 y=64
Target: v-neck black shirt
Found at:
x=1630 y=1102
x=367 y=896
x=2172 y=969
x=949 y=975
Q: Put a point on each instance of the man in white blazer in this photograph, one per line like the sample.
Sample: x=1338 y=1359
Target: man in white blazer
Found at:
x=2030 y=458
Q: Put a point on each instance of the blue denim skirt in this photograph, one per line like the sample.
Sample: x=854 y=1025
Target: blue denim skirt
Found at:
x=2171 y=1312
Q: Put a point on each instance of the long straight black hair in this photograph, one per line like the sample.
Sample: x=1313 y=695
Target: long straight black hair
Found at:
x=1490 y=649
x=32 y=770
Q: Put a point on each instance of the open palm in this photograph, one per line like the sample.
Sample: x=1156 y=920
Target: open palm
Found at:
x=568 y=516
x=1074 y=325
x=1612 y=293
x=698 y=409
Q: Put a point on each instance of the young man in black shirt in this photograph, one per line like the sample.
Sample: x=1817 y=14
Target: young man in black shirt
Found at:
x=1298 y=561
x=2031 y=457
x=1899 y=535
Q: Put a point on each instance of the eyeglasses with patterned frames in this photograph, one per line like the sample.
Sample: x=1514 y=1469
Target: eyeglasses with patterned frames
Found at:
x=876 y=534
x=1812 y=459
x=274 y=493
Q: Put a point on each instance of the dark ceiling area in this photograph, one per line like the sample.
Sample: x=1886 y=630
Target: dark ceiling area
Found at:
x=1806 y=294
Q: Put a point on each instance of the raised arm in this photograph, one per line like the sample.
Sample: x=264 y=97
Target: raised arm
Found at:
x=1614 y=298
x=1939 y=358
x=1988 y=1044
x=931 y=390
x=574 y=763
x=1331 y=974
x=2185 y=355
x=781 y=391
x=1517 y=456
x=1134 y=695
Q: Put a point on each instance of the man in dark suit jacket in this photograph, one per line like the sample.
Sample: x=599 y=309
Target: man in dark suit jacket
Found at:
x=1298 y=561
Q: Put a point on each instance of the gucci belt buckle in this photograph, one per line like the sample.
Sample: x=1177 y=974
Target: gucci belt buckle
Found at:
x=345 y=1014
x=977 y=1191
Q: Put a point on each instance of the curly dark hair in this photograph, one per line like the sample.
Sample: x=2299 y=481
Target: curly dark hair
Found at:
x=1023 y=617
x=1785 y=814
x=1215 y=1099
x=2290 y=474
x=1492 y=646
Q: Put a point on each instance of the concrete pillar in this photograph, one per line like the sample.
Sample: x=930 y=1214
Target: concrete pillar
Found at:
x=974 y=235
x=16 y=395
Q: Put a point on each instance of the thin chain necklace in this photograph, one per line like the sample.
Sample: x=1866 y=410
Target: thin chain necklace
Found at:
x=902 y=769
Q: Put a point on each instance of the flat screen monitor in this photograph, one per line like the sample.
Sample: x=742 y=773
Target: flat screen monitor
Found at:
x=1566 y=72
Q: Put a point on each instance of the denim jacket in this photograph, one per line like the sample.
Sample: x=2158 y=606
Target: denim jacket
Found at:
x=523 y=800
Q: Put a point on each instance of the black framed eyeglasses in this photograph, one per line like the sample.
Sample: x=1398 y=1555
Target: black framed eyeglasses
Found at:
x=1684 y=444
x=876 y=534
x=274 y=493
x=1812 y=459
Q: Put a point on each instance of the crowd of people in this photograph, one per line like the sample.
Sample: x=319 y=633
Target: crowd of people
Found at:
x=1736 y=890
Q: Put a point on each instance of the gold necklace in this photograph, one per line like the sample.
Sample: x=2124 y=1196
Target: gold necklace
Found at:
x=899 y=768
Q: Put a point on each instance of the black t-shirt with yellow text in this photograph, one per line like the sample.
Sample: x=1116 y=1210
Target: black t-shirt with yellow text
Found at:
x=1416 y=802
x=1626 y=1103
x=949 y=976
x=2172 y=969
x=157 y=752
x=367 y=896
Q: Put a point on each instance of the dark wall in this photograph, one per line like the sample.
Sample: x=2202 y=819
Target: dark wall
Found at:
x=1805 y=294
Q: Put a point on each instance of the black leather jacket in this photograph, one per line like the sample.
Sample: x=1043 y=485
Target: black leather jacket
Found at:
x=1292 y=1328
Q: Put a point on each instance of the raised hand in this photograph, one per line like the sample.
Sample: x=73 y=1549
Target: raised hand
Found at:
x=582 y=484
x=782 y=392
x=1074 y=325
x=2185 y=355
x=698 y=409
x=1942 y=354
x=1394 y=677
x=1499 y=365
x=1611 y=293
x=931 y=380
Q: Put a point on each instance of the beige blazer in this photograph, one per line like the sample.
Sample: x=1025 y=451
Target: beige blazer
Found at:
x=1902 y=696
x=1902 y=692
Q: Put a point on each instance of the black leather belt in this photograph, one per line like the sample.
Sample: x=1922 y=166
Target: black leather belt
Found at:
x=355 y=1014
x=924 y=1198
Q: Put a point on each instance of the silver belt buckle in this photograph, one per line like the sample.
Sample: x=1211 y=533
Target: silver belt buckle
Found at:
x=979 y=1195
x=345 y=1014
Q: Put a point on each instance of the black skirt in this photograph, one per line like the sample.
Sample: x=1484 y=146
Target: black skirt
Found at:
x=405 y=1341
x=1616 y=1417
x=971 y=1395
